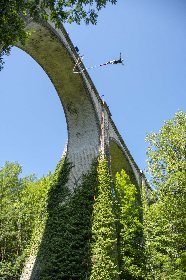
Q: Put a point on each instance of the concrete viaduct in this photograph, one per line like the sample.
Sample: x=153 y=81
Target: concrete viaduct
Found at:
x=84 y=109
x=89 y=123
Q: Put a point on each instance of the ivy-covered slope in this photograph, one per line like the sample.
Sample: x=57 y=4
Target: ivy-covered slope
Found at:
x=92 y=233
x=129 y=228
x=107 y=229
x=64 y=252
x=103 y=243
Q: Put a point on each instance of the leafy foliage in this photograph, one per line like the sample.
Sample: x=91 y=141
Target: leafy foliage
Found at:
x=21 y=203
x=96 y=231
x=64 y=252
x=73 y=234
x=80 y=237
x=129 y=228
x=165 y=219
x=166 y=155
x=13 y=13
x=11 y=25
x=76 y=10
x=103 y=245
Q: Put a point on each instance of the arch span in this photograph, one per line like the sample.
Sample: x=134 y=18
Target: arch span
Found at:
x=50 y=48
x=88 y=117
x=119 y=161
x=83 y=107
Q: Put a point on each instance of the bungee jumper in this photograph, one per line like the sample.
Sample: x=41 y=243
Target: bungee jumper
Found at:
x=115 y=61
x=80 y=59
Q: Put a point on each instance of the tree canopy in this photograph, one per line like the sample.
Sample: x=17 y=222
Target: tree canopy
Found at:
x=22 y=216
x=166 y=154
x=107 y=228
x=165 y=220
x=13 y=12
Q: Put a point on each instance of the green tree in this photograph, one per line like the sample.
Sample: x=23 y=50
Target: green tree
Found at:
x=22 y=213
x=13 y=12
x=10 y=246
x=129 y=228
x=32 y=210
x=64 y=252
x=166 y=218
x=104 y=249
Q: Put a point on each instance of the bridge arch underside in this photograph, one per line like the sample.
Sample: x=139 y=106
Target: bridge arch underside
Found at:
x=46 y=46
x=119 y=161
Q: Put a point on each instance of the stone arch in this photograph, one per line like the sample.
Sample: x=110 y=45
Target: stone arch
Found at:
x=119 y=161
x=55 y=53
x=83 y=108
x=52 y=49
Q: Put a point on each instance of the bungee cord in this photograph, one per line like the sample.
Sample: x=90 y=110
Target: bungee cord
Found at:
x=80 y=59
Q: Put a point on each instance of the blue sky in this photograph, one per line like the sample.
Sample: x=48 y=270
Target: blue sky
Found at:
x=147 y=90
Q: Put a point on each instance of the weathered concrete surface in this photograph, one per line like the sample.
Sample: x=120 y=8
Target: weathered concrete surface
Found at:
x=83 y=108
x=51 y=50
x=54 y=51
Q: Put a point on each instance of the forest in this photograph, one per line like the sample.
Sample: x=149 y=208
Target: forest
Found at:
x=108 y=228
